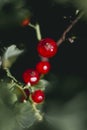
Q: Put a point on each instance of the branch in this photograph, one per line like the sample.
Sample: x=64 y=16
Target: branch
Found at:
x=37 y=29
x=37 y=112
x=63 y=37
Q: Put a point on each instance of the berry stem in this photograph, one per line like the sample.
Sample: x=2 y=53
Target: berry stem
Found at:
x=37 y=112
x=14 y=81
x=38 y=32
x=31 y=25
x=10 y=75
x=44 y=58
x=37 y=29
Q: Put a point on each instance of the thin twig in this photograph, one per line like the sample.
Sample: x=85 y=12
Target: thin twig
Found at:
x=37 y=29
x=10 y=75
x=38 y=32
x=63 y=37
x=37 y=112
x=13 y=78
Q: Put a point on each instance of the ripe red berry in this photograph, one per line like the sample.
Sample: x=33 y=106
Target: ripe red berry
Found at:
x=25 y=22
x=31 y=76
x=43 y=67
x=47 y=47
x=38 y=96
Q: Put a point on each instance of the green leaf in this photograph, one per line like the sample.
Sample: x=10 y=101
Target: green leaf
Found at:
x=25 y=116
x=10 y=55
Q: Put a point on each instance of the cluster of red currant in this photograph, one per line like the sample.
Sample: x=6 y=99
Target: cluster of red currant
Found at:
x=46 y=48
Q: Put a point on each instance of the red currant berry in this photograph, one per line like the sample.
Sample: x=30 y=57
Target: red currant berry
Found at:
x=31 y=76
x=38 y=96
x=25 y=22
x=43 y=67
x=47 y=47
x=27 y=92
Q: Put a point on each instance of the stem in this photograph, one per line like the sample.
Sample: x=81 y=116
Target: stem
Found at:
x=37 y=112
x=38 y=32
x=37 y=29
x=63 y=37
x=44 y=58
x=12 y=77
x=9 y=75
x=31 y=25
